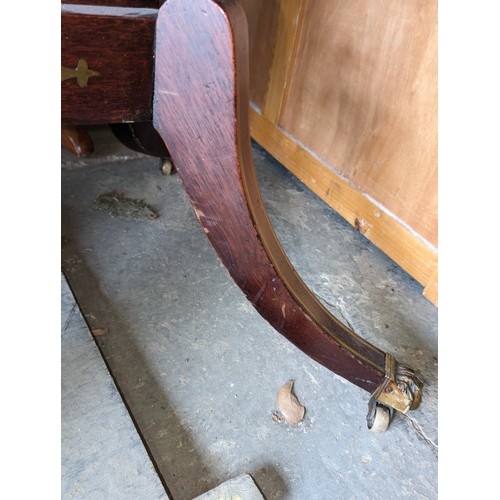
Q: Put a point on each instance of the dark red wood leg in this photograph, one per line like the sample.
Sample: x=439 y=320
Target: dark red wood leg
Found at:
x=201 y=111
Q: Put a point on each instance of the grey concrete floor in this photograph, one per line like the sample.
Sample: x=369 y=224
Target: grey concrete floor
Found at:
x=102 y=455
x=198 y=367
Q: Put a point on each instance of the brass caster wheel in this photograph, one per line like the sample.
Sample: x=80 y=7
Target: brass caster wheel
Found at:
x=379 y=419
x=167 y=167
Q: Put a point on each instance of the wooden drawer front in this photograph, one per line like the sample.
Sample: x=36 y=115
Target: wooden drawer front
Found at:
x=113 y=82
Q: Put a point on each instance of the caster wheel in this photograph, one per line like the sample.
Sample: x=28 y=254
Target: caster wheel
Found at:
x=167 y=167
x=76 y=140
x=380 y=420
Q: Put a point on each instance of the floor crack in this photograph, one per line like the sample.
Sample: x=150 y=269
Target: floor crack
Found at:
x=68 y=320
x=421 y=432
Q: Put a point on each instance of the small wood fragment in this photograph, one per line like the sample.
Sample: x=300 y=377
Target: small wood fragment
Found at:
x=289 y=405
x=96 y=332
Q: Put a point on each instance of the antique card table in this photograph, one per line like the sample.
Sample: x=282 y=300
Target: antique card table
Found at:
x=176 y=72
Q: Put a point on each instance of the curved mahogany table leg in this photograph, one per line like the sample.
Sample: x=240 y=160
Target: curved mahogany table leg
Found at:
x=201 y=111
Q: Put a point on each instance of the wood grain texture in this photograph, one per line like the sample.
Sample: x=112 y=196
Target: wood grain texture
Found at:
x=284 y=57
x=201 y=111
x=363 y=97
x=262 y=19
x=431 y=287
x=404 y=246
x=120 y=49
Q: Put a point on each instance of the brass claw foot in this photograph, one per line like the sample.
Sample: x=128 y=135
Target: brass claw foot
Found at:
x=401 y=390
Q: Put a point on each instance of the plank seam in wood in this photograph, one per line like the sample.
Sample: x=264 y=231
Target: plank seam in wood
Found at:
x=284 y=59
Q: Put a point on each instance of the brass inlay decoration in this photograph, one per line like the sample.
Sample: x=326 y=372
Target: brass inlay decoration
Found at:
x=82 y=73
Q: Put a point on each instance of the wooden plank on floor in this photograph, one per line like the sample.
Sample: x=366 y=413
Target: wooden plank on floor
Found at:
x=431 y=288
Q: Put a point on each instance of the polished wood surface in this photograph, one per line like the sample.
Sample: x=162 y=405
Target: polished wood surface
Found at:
x=118 y=49
x=201 y=112
x=76 y=140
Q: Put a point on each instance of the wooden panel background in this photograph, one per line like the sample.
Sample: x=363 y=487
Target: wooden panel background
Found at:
x=345 y=95
x=364 y=98
x=262 y=18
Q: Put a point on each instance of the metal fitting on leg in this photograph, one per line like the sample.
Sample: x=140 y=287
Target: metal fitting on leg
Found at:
x=401 y=390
